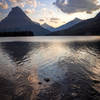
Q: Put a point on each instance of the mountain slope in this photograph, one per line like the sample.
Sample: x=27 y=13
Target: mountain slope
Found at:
x=69 y=24
x=48 y=27
x=18 y=21
x=86 y=27
x=65 y=26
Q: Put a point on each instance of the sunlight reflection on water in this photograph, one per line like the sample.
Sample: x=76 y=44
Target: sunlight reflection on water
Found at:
x=65 y=64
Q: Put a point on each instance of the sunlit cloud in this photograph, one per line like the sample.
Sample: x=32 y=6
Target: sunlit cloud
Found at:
x=54 y=20
x=41 y=20
x=3 y=4
x=15 y=0
x=47 y=13
x=22 y=3
x=73 y=6
x=43 y=11
x=32 y=3
x=29 y=11
x=15 y=3
x=40 y=3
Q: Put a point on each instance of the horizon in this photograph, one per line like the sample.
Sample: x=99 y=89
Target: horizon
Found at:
x=58 y=13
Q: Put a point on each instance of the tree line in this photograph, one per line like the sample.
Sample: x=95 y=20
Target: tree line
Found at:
x=14 y=34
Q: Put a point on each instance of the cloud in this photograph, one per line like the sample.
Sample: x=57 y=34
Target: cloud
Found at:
x=29 y=2
x=41 y=20
x=32 y=3
x=22 y=3
x=40 y=4
x=73 y=6
x=29 y=11
x=47 y=13
x=54 y=20
x=15 y=1
x=4 y=4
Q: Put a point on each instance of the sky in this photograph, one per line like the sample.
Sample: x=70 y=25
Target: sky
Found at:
x=52 y=12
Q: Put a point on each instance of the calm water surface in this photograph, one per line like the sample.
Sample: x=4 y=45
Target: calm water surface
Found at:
x=50 y=68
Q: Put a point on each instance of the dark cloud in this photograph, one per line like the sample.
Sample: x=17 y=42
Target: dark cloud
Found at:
x=73 y=6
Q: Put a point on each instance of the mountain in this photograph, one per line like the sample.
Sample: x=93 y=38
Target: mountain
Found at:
x=48 y=27
x=69 y=24
x=65 y=26
x=17 y=21
x=86 y=27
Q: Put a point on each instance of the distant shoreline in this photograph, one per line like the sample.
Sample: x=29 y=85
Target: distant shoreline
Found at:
x=16 y=34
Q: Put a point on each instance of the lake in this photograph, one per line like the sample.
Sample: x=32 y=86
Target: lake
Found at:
x=50 y=68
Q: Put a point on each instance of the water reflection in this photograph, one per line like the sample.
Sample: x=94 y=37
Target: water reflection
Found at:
x=50 y=70
x=17 y=50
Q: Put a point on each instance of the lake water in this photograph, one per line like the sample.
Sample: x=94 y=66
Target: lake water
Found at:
x=50 y=68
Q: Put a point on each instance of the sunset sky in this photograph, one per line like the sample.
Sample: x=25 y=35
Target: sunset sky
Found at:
x=52 y=12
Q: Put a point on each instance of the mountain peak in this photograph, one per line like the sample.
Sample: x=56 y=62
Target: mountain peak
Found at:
x=15 y=8
x=16 y=11
x=45 y=24
x=77 y=19
x=48 y=27
x=69 y=24
x=17 y=16
x=17 y=20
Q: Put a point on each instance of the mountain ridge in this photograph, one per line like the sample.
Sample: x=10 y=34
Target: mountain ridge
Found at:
x=48 y=27
x=69 y=24
x=86 y=27
x=62 y=27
